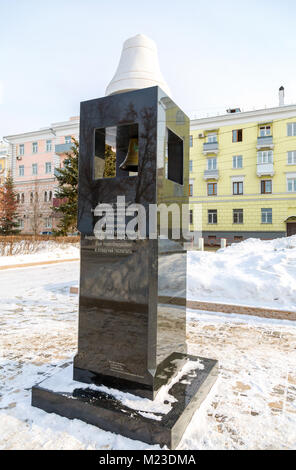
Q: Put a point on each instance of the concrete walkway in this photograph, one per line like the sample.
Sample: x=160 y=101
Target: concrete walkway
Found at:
x=38 y=263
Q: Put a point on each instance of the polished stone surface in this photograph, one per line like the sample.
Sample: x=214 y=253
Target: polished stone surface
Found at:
x=125 y=329
x=104 y=410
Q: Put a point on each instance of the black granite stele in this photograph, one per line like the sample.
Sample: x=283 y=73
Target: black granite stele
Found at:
x=132 y=308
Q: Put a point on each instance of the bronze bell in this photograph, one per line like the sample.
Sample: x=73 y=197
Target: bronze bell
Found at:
x=131 y=160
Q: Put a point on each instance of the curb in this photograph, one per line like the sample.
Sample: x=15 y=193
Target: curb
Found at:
x=243 y=310
x=38 y=263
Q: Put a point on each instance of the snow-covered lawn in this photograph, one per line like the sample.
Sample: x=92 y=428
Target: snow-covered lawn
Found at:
x=41 y=251
x=253 y=404
x=253 y=272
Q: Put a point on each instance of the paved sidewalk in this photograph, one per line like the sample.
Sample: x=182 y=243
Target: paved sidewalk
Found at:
x=39 y=263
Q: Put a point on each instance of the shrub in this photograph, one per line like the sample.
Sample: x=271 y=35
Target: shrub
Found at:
x=26 y=244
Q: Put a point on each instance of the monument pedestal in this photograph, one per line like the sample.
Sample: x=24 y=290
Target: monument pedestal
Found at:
x=164 y=423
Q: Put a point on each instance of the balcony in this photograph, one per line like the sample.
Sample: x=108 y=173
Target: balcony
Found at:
x=265 y=142
x=211 y=174
x=265 y=169
x=210 y=147
x=63 y=148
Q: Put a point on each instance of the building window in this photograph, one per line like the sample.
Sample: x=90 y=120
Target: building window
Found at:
x=35 y=147
x=18 y=198
x=266 y=216
x=31 y=198
x=190 y=189
x=48 y=145
x=190 y=165
x=238 y=216
x=48 y=222
x=212 y=163
x=212 y=138
x=291 y=184
x=22 y=198
x=21 y=223
x=34 y=169
x=264 y=131
x=191 y=216
x=292 y=157
x=265 y=156
x=212 y=216
x=266 y=186
x=47 y=196
x=237 y=187
x=48 y=167
x=191 y=141
x=237 y=161
x=21 y=170
x=212 y=189
x=291 y=129
x=21 y=149
x=237 y=135
x=68 y=139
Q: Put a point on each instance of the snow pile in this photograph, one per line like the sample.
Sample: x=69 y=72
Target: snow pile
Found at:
x=253 y=272
x=41 y=251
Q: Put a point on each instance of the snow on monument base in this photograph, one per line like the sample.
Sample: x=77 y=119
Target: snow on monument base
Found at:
x=161 y=421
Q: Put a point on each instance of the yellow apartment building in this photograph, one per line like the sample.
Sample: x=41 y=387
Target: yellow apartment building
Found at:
x=243 y=174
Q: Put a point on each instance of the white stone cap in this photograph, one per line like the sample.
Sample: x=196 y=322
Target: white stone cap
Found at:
x=138 y=67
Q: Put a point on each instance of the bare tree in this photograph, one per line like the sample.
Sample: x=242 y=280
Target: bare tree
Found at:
x=35 y=209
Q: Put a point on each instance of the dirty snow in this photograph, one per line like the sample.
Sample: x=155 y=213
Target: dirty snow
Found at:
x=252 y=405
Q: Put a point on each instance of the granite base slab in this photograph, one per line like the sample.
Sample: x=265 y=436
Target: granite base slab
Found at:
x=115 y=411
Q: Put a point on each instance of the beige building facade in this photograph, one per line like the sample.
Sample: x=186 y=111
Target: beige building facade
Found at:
x=33 y=158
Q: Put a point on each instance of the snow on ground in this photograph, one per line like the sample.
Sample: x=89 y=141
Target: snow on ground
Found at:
x=252 y=405
x=253 y=273
x=42 y=251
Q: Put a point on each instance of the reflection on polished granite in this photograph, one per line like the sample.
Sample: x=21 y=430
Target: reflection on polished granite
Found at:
x=116 y=315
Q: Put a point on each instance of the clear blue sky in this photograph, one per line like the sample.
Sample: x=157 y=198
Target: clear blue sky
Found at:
x=213 y=54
